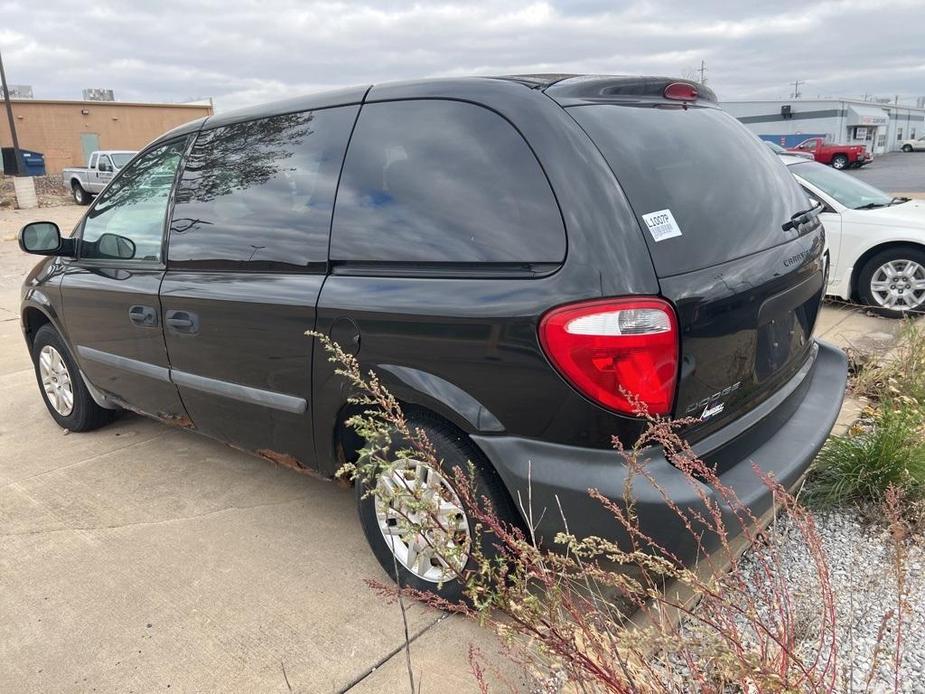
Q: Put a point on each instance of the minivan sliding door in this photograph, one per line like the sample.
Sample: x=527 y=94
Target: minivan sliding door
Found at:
x=247 y=256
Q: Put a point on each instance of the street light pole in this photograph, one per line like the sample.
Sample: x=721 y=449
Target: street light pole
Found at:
x=17 y=156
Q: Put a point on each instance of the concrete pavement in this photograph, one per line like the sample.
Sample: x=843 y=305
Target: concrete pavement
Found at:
x=141 y=558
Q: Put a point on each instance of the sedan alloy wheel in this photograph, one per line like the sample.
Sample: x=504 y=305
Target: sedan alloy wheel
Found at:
x=899 y=285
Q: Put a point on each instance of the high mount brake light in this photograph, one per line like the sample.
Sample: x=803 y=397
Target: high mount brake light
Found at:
x=681 y=91
x=613 y=350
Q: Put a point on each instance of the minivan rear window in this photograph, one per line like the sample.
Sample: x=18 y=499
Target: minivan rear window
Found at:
x=727 y=193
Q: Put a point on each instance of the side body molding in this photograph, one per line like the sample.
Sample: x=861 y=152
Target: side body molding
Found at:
x=234 y=391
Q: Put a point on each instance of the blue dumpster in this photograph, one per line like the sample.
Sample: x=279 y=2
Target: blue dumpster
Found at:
x=33 y=162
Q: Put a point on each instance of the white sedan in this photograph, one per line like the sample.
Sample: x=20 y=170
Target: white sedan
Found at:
x=876 y=242
x=914 y=145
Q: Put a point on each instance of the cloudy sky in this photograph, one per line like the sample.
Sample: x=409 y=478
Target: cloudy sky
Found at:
x=247 y=52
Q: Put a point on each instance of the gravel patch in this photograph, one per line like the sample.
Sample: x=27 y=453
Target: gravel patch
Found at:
x=863 y=581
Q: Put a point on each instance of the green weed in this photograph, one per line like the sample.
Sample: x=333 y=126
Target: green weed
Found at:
x=859 y=466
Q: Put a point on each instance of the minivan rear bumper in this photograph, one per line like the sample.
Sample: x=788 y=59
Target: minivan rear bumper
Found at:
x=780 y=437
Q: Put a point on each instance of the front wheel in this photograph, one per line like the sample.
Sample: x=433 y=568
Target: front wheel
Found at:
x=63 y=390
x=416 y=521
x=839 y=161
x=907 y=148
x=892 y=282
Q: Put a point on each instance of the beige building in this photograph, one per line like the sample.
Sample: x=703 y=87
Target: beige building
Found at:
x=67 y=131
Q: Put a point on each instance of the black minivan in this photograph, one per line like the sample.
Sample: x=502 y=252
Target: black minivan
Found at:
x=512 y=256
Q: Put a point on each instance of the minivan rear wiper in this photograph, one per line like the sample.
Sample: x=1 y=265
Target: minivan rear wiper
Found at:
x=803 y=217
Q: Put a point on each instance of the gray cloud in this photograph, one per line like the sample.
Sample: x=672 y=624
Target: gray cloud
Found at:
x=248 y=52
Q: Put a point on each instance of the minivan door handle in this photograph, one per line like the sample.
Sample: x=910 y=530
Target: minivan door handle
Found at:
x=179 y=321
x=144 y=316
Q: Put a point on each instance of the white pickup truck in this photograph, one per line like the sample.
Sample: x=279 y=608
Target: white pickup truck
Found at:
x=86 y=181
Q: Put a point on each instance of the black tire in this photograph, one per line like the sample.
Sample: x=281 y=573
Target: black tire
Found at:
x=455 y=450
x=81 y=196
x=907 y=148
x=873 y=264
x=840 y=161
x=85 y=414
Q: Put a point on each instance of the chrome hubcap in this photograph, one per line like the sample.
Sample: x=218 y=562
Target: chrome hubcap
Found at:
x=899 y=285
x=56 y=380
x=422 y=521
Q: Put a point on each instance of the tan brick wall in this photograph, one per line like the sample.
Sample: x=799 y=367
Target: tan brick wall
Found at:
x=54 y=127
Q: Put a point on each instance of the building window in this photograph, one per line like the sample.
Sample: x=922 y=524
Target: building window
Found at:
x=912 y=134
x=899 y=134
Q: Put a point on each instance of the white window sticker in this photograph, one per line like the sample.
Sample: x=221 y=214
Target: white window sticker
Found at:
x=662 y=225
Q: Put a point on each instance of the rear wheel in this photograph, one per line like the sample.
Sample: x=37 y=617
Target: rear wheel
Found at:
x=432 y=560
x=63 y=390
x=893 y=281
x=907 y=148
x=81 y=196
x=839 y=161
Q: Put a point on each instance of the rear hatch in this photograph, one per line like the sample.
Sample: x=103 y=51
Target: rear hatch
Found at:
x=712 y=201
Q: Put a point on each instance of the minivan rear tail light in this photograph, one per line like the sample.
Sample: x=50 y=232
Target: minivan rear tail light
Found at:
x=681 y=91
x=613 y=350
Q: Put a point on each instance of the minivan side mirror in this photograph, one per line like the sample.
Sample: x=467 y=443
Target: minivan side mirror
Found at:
x=44 y=238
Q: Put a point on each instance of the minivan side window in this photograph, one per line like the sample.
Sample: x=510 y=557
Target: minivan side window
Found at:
x=257 y=196
x=440 y=181
x=126 y=221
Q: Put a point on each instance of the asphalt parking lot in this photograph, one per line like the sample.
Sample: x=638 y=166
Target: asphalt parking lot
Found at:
x=141 y=558
x=896 y=172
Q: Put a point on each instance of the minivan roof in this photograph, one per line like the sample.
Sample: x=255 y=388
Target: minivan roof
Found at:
x=565 y=88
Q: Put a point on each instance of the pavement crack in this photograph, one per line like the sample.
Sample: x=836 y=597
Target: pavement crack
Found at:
x=391 y=654
x=164 y=521
x=84 y=461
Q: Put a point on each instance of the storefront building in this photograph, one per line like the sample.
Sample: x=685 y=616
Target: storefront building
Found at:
x=881 y=127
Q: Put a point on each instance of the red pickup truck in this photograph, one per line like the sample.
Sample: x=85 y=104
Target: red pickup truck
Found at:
x=839 y=156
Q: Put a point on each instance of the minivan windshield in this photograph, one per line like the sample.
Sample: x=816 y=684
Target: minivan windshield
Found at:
x=845 y=188
x=705 y=189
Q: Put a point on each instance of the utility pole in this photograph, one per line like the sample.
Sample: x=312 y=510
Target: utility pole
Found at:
x=702 y=70
x=796 y=88
x=17 y=156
